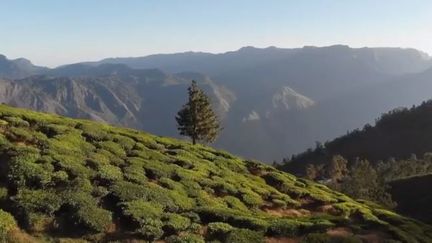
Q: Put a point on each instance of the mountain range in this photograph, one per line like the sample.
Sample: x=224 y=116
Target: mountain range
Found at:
x=274 y=100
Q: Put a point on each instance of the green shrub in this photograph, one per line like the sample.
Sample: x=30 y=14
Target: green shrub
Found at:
x=175 y=223
x=146 y=216
x=99 y=191
x=97 y=160
x=151 y=230
x=125 y=142
x=170 y=184
x=251 y=199
x=16 y=121
x=134 y=173
x=148 y=154
x=128 y=191
x=155 y=146
x=245 y=236
x=235 y=203
x=279 y=203
x=224 y=154
x=60 y=177
x=168 y=199
x=187 y=238
x=220 y=186
x=38 y=223
x=73 y=165
x=71 y=144
x=52 y=130
x=110 y=173
x=112 y=158
x=195 y=228
x=191 y=187
x=219 y=230
x=83 y=211
x=181 y=202
x=92 y=132
x=156 y=169
x=194 y=217
x=141 y=211
x=7 y=223
x=24 y=171
x=233 y=217
x=80 y=184
x=43 y=201
x=112 y=147
x=3 y=194
x=3 y=140
x=20 y=134
x=93 y=218
x=231 y=165
x=283 y=227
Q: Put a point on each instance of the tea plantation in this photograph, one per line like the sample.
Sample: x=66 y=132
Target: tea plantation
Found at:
x=67 y=180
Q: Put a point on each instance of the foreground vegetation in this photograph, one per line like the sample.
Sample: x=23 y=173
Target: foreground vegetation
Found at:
x=74 y=180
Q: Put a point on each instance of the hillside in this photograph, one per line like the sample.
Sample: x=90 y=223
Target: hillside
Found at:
x=397 y=134
x=62 y=178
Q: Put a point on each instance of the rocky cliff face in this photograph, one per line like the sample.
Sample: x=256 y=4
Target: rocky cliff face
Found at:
x=135 y=99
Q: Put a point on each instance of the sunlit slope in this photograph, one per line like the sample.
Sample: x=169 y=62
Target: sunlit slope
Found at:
x=67 y=178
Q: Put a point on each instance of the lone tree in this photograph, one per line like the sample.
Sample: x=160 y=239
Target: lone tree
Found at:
x=197 y=119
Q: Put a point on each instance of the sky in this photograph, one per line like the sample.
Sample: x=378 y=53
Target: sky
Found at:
x=56 y=32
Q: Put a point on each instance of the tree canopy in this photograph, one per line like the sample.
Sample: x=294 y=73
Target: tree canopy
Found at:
x=197 y=119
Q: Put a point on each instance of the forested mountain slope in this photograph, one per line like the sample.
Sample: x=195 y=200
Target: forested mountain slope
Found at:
x=67 y=179
x=397 y=134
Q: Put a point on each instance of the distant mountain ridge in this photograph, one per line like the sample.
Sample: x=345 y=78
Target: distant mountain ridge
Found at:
x=280 y=101
x=384 y=59
x=18 y=68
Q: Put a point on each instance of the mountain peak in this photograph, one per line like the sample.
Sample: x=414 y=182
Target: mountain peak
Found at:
x=22 y=61
x=247 y=48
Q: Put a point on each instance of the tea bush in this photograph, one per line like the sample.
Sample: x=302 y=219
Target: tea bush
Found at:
x=245 y=235
x=7 y=223
x=219 y=230
x=82 y=179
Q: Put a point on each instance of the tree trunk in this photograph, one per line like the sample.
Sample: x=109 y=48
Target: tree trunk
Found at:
x=193 y=140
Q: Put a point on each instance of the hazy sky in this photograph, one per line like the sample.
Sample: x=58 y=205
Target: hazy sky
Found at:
x=54 y=32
